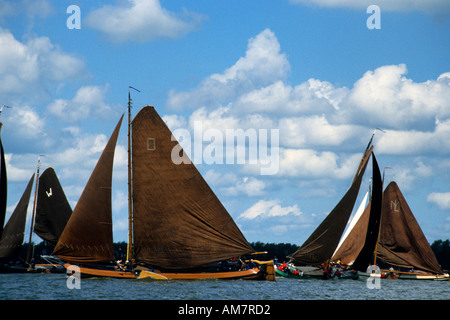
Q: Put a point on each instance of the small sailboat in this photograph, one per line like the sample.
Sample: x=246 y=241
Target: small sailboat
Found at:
x=402 y=243
x=311 y=260
x=52 y=213
x=13 y=235
x=178 y=227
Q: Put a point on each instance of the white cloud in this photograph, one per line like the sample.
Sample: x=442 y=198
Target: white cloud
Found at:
x=31 y=8
x=247 y=186
x=385 y=97
x=26 y=122
x=262 y=64
x=415 y=142
x=15 y=169
x=312 y=96
x=141 y=20
x=315 y=131
x=430 y=6
x=88 y=101
x=314 y=164
x=442 y=200
x=27 y=69
x=269 y=208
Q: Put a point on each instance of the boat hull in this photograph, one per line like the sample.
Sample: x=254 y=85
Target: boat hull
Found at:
x=250 y=274
x=14 y=268
x=253 y=274
x=100 y=272
x=315 y=273
x=401 y=275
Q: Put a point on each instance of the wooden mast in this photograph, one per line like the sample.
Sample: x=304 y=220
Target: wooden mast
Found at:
x=130 y=191
x=34 y=210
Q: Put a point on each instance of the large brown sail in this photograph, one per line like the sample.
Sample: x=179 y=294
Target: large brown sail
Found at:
x=87 y=237
x=13 y=233
x=52 y=209
x=322 y=243
x=353 y=244
x=363 y=260
x=178 y=220
x=402 y=242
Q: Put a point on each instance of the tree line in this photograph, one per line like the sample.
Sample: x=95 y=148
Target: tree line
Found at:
x=280 y=251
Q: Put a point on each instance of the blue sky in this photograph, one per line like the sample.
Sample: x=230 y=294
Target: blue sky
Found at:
x=311 y=69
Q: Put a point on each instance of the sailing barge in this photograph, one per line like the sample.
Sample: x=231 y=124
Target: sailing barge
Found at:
x=178 y=227
x=400 y=243
x=311 y=260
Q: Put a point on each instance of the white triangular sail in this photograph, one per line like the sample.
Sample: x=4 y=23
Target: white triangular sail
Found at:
x=354 y=220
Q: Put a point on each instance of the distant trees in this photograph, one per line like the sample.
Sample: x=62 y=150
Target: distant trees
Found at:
x=441 y=249
x=278 y=250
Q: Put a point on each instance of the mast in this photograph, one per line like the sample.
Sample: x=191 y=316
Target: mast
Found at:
x=130 y=186
x=381 y=217
x=34 y=210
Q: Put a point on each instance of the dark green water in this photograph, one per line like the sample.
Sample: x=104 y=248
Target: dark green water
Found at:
x=54 y=287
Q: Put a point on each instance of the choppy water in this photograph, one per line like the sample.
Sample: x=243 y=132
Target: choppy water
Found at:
x=54 y=287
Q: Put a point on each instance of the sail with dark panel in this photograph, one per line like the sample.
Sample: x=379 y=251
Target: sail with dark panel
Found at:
x=14 y=231
x=52 y=209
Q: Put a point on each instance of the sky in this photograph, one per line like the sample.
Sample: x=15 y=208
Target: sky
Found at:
x=323 y=74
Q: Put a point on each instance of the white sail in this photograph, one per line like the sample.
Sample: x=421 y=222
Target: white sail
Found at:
x=354 y=220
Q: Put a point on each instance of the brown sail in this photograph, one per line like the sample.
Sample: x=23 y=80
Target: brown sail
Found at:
x=13 y=233
x=87 y=237
x=402 y=242
x=363 y=260
x=178 y=220
x=353 y=244
x=322 y=243
x=52 y=209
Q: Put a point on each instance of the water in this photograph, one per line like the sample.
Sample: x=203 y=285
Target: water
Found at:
x=54 y=287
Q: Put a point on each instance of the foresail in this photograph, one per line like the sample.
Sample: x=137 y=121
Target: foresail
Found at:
x=354 y=242
x=402 y=242
x=353 y=222
x=322 y=243
x=13 y=233
x=52 y=210
x=178 y=220
x=87 y=237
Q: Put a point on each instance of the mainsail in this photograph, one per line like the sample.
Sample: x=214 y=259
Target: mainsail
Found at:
x=402 y=242
x=13 y=233
x=178 y=220
x=87 y=237
x=52 y=210
x=321 y=244
x=363 y=260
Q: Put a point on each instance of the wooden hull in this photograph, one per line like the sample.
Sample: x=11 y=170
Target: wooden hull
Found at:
x=253 y=274
x=288 y=275
x=98 y=272
x=401 y=275
x=315 y=273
